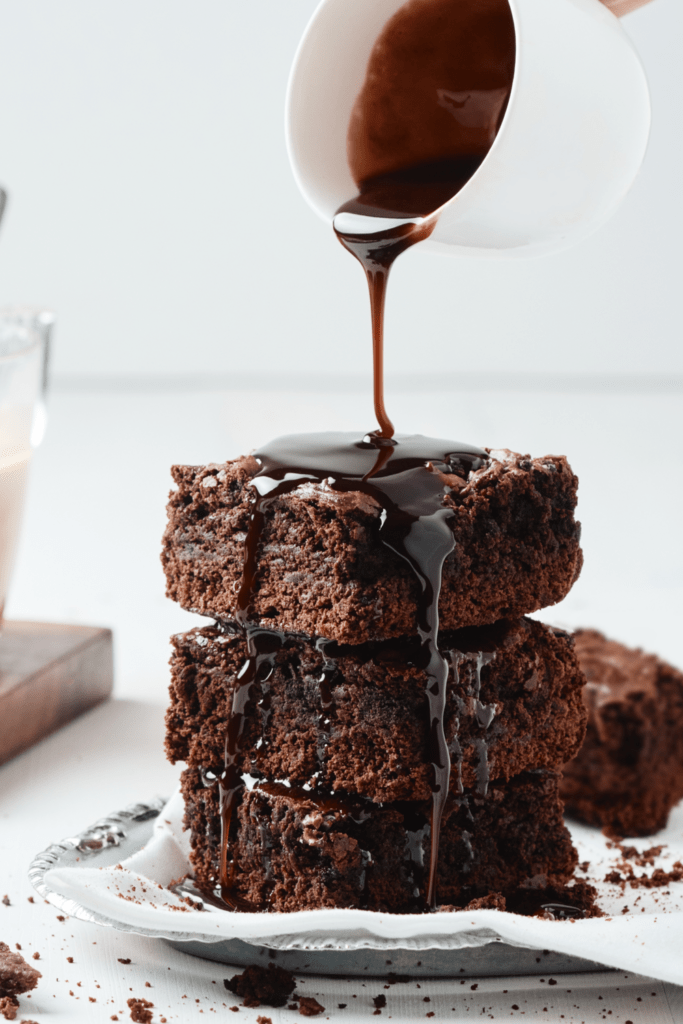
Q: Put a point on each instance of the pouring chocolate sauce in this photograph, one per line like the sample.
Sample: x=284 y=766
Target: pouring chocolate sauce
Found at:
x=436 y=89
x=437 y=85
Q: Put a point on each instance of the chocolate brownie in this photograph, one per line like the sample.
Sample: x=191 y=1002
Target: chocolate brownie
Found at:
x=629 y=772
x=355 y=717
x=271 y=985
x=296 y=849
x=16 y=976
x=323 y=570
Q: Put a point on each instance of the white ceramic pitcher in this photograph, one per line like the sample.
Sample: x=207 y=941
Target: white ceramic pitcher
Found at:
x=569 y=147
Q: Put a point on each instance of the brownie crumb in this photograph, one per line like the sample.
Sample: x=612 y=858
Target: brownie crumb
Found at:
x=270 y=985
x=342 y=1006
x=8 y=1007
x=310 y=1007
x=494 y=901
x=70 y=959
x=6 y=901
x=264 y=1020
x=644 y=858
x=16 y=976
x=141 y=1011
x=28 y=1022
x=624 y=873
x=123 y=961
x=380 y=1002
x=235 y=1009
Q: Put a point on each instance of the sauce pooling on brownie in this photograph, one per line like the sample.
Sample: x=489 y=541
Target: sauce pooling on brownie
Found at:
x=408 y=477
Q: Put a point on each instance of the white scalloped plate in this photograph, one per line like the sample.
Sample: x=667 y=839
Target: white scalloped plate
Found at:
x=117 y=874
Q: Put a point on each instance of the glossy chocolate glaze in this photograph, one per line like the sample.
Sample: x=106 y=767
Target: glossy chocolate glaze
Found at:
x=408 y=478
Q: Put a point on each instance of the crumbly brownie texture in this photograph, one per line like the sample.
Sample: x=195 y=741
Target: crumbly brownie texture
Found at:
x=361 y=724
x=16 y=976
x=324 y=572
x=629 y=772
x=271 y=985
x=141 y=1011
x=293 y=851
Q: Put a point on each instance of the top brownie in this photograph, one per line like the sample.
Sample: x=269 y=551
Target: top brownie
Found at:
x=323 y=570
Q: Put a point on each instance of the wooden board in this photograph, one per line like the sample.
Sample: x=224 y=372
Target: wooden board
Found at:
x=49 y=674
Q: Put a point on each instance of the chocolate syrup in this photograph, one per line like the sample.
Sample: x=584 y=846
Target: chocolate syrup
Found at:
x=436 y=89
x=408 y=478
x=262 y=648
x=326 y=704
x=435 y=93
x=484 y=714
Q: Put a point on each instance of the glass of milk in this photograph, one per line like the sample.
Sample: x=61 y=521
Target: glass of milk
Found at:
x=24 y=344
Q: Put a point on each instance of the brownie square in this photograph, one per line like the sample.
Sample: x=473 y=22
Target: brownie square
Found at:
x=323 y=570
x=355 y=718
x=629 y=772
x=294 y=849
x=16 y=975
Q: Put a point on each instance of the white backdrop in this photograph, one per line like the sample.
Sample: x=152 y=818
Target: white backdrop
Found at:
x=152 y=206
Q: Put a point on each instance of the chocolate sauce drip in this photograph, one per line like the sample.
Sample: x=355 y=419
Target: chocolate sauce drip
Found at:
x=456 y=658
x=467 y=843
x=262 y=648
x=359 y=229
x=484 y=714
x=265 y=841
x=326 y=699
x=408 y=478
x=417 y=830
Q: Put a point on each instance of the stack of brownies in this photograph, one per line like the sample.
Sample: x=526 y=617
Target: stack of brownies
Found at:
x=304 y=725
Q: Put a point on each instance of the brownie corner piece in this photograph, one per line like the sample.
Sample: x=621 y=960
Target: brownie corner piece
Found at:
x=324 y=571
x=629 y=772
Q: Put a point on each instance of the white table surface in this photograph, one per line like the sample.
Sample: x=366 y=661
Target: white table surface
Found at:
x=89 y=554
